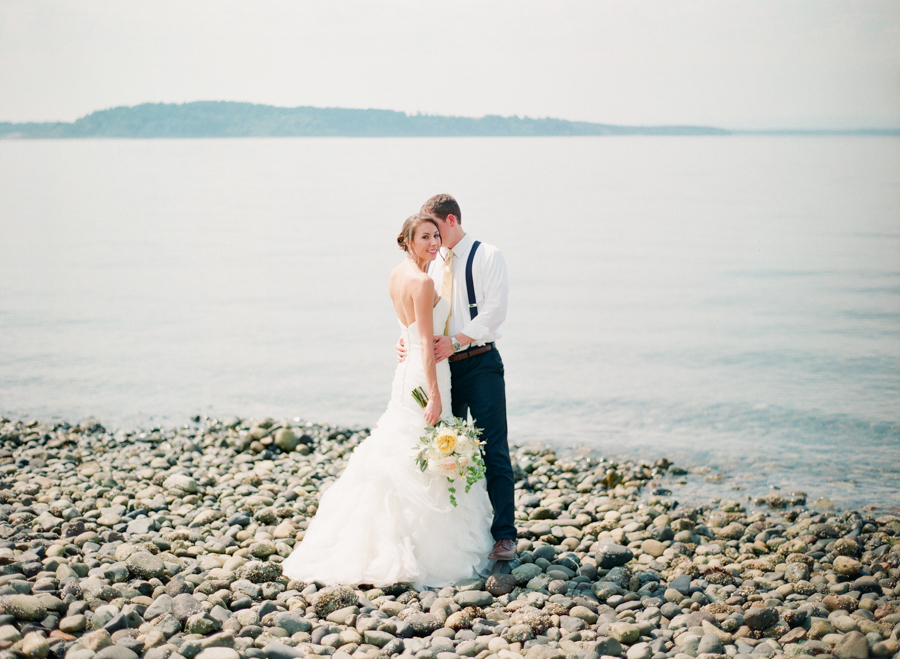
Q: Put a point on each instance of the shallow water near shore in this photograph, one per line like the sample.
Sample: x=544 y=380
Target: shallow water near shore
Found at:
x=730 y=303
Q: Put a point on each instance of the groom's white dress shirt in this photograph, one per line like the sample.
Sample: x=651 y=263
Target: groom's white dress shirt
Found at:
x=491 y=290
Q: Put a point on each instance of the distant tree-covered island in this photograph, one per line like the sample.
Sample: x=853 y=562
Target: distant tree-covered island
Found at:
x=229 y=119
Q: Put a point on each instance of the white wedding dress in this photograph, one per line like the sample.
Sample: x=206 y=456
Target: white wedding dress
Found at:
x=384 y=521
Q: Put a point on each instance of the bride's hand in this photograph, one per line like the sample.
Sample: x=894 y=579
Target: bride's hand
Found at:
x=401 y=349
x=433 y=411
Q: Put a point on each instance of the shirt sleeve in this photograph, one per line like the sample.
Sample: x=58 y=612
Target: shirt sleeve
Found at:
x=492 y=284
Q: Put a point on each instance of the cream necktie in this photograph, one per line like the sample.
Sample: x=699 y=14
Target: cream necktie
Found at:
x=447 y=288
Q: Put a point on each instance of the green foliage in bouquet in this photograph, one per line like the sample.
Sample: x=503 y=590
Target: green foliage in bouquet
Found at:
x=450 y=449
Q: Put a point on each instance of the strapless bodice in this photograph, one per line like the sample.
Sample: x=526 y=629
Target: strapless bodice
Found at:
x=410 y=372
x=439 y=315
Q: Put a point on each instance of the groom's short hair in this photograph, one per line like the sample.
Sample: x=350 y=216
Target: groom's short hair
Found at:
x=442 y=205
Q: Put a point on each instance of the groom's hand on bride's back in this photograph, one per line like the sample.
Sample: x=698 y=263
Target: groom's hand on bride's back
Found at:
x=401 y=349
x=442 y=348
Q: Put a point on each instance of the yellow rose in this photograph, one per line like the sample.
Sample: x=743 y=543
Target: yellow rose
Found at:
x=446 y=441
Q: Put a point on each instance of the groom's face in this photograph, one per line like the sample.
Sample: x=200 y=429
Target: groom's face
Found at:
x=444 y=224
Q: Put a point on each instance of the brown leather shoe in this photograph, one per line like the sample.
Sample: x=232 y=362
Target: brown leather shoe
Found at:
x=504 y=550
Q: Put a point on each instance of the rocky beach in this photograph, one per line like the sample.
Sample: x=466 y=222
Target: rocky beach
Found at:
x=167 y=544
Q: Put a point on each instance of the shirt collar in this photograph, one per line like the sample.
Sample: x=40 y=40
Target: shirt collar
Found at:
x=461 y=248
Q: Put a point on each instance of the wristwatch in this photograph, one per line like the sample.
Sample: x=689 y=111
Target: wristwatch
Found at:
x=456 y=344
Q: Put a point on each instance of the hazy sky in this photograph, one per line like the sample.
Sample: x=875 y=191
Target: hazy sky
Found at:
x=734 y=63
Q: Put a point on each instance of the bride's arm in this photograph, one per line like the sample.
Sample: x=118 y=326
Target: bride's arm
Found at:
x=423 y=303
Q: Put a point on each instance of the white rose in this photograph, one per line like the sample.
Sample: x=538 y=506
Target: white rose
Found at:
x=465 y=446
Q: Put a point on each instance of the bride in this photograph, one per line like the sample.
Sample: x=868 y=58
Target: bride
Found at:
x=384 y=521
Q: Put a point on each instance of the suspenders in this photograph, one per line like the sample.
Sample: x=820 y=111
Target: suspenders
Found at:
x=470 y=285
x=470 y=282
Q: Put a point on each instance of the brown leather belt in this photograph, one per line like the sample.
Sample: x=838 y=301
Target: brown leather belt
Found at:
x=471 y=352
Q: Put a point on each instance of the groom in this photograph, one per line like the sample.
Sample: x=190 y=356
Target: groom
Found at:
x=477 y=287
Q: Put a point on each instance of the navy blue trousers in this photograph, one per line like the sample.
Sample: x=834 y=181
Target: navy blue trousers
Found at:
x=478 y=387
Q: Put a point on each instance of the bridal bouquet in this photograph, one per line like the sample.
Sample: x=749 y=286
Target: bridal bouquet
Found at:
x=450 y=449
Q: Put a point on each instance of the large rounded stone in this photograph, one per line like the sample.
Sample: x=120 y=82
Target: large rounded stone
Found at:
x=109 y=519
x=144 y=565
x=218 y=653
x=160 y=606
x=639 y=651
x=291 y=622
x=184 y=606
x=796 y=572
x=819 y=627
x=542 y=651
x=474 y=598
x=758 y=618
x=285 y=529
x=116 y=652
x=608 y=647
x=286 y=440
x=583 y=613
x=844 y=624
x=710 y=644
x=624 y=632
x=342 y=616
x=612 y=555
x=36 y=646
x=570 y=624
x=459 y=620
x=73 y=624
x=847 y=566
x=262 y=549
x=259 y=571
x=547 y=552
x=500 y=584
x=525 y=573
x=540 y=582
x=688 y=644
x=180 y=482
x=681 y=583
x=201 y=623
x=852 y=646
x=866 y=585
x=377 y=638
x=846 y=547
x=519 y=633
x=886 y=648
x=96 y=641
x=334 y=598
x=23 y=607
x=662 y=533
x=539 y=621
x=282 y=651
x=605 y=589
x=423 y=624
x=653 y=547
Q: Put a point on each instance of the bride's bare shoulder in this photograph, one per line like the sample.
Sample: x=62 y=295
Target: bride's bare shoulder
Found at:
x=402 y=273
x=396 y=273
x=420 y=282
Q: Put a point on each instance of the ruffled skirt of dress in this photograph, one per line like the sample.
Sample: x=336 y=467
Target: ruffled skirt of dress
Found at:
x=384 y=521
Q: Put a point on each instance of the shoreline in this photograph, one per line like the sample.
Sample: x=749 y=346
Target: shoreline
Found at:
x=166 y=544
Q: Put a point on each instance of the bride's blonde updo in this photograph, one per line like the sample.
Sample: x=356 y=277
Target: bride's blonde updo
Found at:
x=408 y=232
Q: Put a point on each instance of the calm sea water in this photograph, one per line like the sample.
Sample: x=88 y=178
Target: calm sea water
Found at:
x=728 y=302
